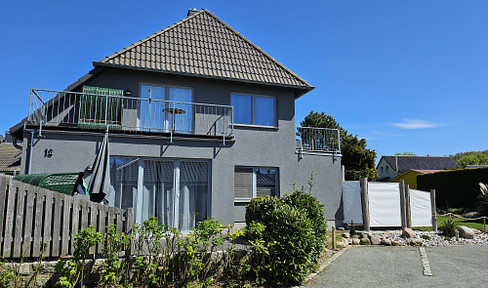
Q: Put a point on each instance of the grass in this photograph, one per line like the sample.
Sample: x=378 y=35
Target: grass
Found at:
x=338 y=238
x=441 y=219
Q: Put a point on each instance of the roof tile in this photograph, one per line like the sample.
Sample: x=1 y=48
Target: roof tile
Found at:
x=205 y=45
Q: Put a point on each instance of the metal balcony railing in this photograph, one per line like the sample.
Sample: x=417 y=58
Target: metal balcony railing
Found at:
x=318 y=139
x=113 y=112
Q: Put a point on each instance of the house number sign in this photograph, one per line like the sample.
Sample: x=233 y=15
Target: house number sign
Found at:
x=48 y=153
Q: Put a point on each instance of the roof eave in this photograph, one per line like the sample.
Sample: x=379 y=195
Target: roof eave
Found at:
x=301 y=90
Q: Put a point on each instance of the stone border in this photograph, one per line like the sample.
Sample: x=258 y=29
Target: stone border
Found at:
x=425 y=262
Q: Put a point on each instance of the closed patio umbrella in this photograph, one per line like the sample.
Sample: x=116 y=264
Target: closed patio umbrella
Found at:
x=100 y=179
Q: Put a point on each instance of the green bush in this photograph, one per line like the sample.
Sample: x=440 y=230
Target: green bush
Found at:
x=448 y=228
x=314 y=212
x=283 y=232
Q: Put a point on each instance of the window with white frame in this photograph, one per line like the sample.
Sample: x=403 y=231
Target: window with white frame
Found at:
x=250 y=182
x=254 y=109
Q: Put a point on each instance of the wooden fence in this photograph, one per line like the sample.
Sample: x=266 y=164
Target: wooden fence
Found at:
x=31 y=217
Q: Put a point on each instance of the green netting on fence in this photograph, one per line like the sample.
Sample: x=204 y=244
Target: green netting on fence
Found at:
x=65 y=183
x=98 y=112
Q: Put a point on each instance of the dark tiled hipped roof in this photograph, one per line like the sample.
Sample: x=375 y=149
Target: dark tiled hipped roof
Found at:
x=8 y=158
x=421 y=162
x=203 y=45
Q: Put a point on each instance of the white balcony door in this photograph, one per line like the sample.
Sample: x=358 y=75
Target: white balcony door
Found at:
x=165 y=108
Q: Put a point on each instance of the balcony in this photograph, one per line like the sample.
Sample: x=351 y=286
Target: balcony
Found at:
x=318 y=140
x=129 y=114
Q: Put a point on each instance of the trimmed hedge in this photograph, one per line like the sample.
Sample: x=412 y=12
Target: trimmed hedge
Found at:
x=292 y=231
x=456 y=188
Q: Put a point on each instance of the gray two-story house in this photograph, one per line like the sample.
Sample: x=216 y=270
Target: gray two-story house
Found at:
x=200 y=120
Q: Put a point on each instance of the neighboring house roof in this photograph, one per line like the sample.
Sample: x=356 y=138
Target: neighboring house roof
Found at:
x=203 y=45
x=406 y=163
x=9 y=160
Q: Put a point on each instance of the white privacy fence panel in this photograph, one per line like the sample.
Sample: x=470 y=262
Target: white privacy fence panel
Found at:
x=351 y=199
x=384 y=205
x=420 y=207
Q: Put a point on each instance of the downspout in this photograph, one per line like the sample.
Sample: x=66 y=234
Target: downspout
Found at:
x=396 y=164
x=30 y=153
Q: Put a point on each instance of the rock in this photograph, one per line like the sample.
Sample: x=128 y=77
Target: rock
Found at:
x=355 y=241
x=408 y=233
x=386 y=242
x=341 y=244
x=346 y=235
x=375 y=240
x=383 y=237
x=340 y=228
x=355 y=237
x=465 y=232
x=364 y=235
x=395 y=243
x=364 y=241
x=416 y=242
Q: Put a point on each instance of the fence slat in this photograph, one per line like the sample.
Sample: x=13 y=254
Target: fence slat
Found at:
x=19 y=219
x=3 y=194
x=38 y=241
x=93 y=222
x=67 y=202
x=48 y=216
x=119 y=216
x=74 y=228
x=9 y=220
x=58 y=206
x=29 y=219
x=85 y=213
x=101 y=224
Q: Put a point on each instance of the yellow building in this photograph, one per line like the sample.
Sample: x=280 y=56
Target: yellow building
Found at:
x=410 y=176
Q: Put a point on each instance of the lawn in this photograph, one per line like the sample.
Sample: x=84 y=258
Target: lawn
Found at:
x=442 y=219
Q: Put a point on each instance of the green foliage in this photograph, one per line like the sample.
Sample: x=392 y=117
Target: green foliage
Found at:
x=405 y=154
x=482 y=203
x=471 y=158
x=73 y=271
x=112 y=274
x=314 y=211
x=287 y=235
x=7 y=274
x=448 y=228
x=359 y=161
x=425 y=236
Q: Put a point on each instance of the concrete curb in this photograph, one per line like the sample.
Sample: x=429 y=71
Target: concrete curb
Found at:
x=324 y=265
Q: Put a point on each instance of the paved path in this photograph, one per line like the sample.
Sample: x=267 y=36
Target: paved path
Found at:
x=451 y=266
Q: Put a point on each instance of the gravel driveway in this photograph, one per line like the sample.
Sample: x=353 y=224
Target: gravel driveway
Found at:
x=452 y=266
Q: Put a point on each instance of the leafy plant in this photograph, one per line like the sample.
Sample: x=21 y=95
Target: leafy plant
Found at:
x=7 y=274
x=448 y=228
x=73 y=271
x=425 y=236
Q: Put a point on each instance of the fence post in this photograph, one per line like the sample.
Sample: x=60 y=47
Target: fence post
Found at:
x=433 y=209
x=365 y=203
x=403 y=207
x=408 y=209
x=333 y=237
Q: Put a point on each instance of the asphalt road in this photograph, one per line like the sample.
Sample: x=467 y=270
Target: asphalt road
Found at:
x=452 y=266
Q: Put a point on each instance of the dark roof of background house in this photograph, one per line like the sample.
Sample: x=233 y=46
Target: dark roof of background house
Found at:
x=9 y=162
x=421 y=162
x=203 y=45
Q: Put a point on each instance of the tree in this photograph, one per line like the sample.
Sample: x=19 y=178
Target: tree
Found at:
x=359 y=162
x=471 y=158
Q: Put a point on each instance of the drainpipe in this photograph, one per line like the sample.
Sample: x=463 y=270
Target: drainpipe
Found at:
x=30 y=153
x=396 y=164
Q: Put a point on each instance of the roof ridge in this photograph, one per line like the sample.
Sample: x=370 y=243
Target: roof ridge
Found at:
x=256 y=47
x=109 y=57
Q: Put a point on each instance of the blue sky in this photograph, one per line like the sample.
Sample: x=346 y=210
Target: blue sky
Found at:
x=405 y=75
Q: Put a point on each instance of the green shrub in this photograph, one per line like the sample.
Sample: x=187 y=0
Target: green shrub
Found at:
x=448 y=228
x=285 y=253
x=425 y=236
x=315 y=213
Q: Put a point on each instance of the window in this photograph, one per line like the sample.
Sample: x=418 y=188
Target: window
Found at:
x=165 y=108
x=176 y=192
x=381 y=169
x=252 y=182
x=254 y=109
x=386 y=168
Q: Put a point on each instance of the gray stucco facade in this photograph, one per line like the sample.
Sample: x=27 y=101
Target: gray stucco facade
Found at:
x=73 y=150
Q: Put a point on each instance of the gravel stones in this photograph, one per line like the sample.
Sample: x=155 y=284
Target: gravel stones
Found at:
x=375 y=240
x=416 y=242
x=386 y=242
